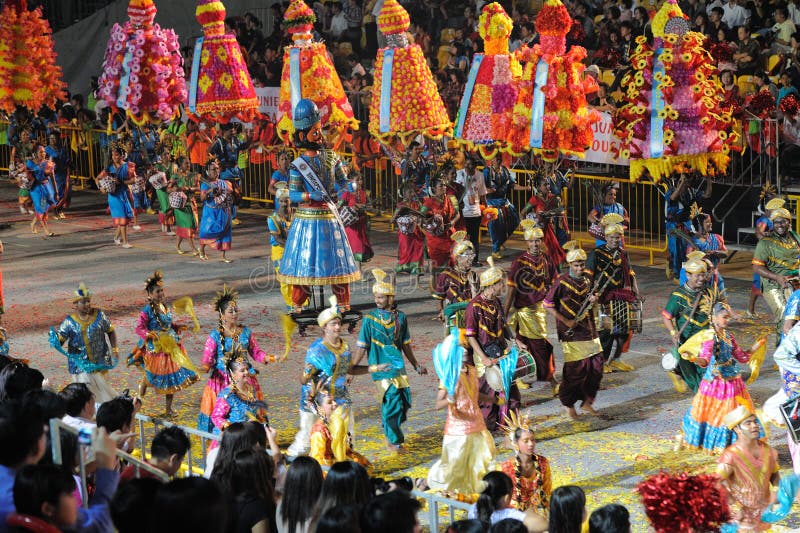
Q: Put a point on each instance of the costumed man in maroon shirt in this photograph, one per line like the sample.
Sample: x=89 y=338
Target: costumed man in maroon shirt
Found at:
x=458 y=284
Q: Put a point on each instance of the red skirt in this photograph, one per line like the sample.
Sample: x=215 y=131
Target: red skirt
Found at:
x=411 y=248
x=439 y=250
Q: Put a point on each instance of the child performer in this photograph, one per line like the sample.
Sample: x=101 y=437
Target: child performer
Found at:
x=330 y=440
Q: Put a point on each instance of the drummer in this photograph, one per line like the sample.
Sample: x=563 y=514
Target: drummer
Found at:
x=611 y=269
x=530 y=277
x=487 y=333
x=583 y=353
x=457 y=285
x=776 y=260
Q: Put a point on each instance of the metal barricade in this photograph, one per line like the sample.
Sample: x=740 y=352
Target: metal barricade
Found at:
x=433 y=502
x=158 y=423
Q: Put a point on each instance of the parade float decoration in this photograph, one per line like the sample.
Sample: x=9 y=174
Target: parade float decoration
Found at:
x=29 y=76
x=405 y=100
x=309 y=73
x=485 y=115
x=671 y=112
x=220 y=87
x=143 y=68
x=551 y=115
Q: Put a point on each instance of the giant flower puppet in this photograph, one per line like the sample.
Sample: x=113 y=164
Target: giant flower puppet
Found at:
x=220 y=87
x=143 y=68
x=29 y=76
x=405 y=100
x=551 y=115
x=672 y=114
x=484 y=116
x=309 y=73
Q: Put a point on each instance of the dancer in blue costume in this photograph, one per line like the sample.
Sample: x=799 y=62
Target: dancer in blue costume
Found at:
x=239 y=401
x=40 y=174
x=678 y=196
x=88 y=354
x=499 y=183
x=119 y=175
x=608 y=205
x=317 y=252
x=711 y=244
x=59 y=155
x=217 y=195
x=327 y=359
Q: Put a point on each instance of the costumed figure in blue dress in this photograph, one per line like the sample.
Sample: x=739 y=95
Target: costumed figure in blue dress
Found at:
x=216 y=222
x=327 y=359
x=712 y=245
x=89 y=356
x=607 y=204
x=59 y=155
x=499 y=183
x=678 y=196
x=239 y=401
x=40 y=175
x=137 y=156
x=114 y=181
x=317 y=251
x=160 y=352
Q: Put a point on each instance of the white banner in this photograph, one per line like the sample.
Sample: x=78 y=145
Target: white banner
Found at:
x=268 y=101
x=605 y=143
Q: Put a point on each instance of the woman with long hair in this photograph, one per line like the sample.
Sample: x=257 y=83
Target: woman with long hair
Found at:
x=494 y=504
x=252 y=481
x=301 y=490
x=567 y=509
x=186 y=219
x=528 y=471
x=347 y=483
x=446 y=213
x=40 y=176
x=236 y=438
x=120 y=204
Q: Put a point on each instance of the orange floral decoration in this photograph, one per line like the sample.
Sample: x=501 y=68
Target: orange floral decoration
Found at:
x=414 y=106
x=29 y=76
x=315 y=78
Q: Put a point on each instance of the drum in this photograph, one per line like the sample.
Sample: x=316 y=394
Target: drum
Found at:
x=222 y=197
x=21 y=176
x=407 y=224
x=107 y=184
x=620 y=317
x=494 y=377
x=349 y=215
x=668 y=361
x=138 y=185
x=635 y=317
x=177 y=200
x=434 y=225
x=158 y=180
x=526 y=365
x=597 y=231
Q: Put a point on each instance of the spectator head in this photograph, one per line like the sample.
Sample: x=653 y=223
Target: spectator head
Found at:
x=301 y=490
x=116 y=415
x=189 y=504
x=742 y=33
x=625 y=28
x=393 y=512
x=338 y=519
x=51 y=404
x=496 y=495
x=593 y=71
x=253 y=476
x=22 y=434
x=613 y=13
x=716 y=14
x=612 y=518
x=77 y=101
x=527 y=29
x=466 y=526
x=641 y=15
x=336 y=8
x=508 y=525
x=567 y=509
x=347 y=483
x=726 y=77
x=168 y=449
x=46 y=492
x=236 y=438
x=18 y=378
x=132 y=504
x=761 y=78
x=700 y=20
x=780 y=14
x=786 y=80
x=78 y=400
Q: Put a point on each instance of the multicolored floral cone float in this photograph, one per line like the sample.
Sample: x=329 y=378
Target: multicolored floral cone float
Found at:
x=309 y=73
x=29 y=76
x=671 y=112
x=405 y=100
x=220 y=87
x=484 y=116
x=143 y=68
x=551 y=116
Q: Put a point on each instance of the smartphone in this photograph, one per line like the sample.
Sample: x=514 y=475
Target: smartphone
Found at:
x=85 y=436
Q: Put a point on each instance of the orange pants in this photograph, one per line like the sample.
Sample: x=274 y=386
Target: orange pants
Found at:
x=302 y=293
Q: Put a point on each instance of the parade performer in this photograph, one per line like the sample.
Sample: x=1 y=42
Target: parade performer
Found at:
x=444 y=213
x=776 y=260
x=114 y=181
x=217 y=195
x=160 y=352
x=499 y=183
x=410 y=239
x=619 y=295
x=20 y=153
x=308 y=73
x=220 y=87
x=415 y=169
x=569 y=300
x=748 y=468
x=529 y=471
x=467 y=446
x=529 y=279
x=228 y=337
x=317 y=252
x=88 y=355
x=678 y=196
x=354 y=198
x=278 y=224
x=40 y=176
x=166 y=215
x=385 y=338
x=789 y=367
x=240 y=401
x=330 y=440
x=143 y=68
x=458 y=284
x=544 y=207
x=59 y=155
x=405 y=101
x=711 y=244
x=186 y=220
x=328 y=359
x=763 y=227
x=721 y=389
x=487 y=333
x=606 y=205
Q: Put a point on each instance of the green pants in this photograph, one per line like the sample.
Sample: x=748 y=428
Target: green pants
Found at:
x=690 y=372
x=394 y=407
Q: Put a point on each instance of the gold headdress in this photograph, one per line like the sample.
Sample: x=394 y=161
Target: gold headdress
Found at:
x=612 y=224
x=513 y=422
x=330 y=313
x=224 y=298
x=737 y=416
x=697 y=255
x=574 y=252
x=530 y=230
x=694 y=266
x=81 y=293
x=236 y=353
x=775 y=203
x=713 y=301
x=281 y=190
x=462 y=243
x=781 y=212
x=491 y=275
x=156 y=280
x=695 y=211
x=768 y=191
x=380 y=286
